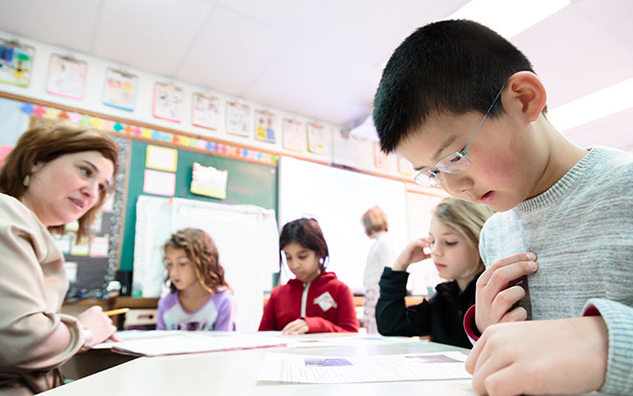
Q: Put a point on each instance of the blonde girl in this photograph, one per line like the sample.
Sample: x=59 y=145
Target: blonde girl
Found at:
x=453 y=243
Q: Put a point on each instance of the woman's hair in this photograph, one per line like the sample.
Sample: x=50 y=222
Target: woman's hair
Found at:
x=308 y=234
x=375 y=220
x=202 y=254
x=467 y=219
x=44 y=144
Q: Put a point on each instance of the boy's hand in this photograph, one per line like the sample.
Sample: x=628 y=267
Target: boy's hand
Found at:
x=540 y=357
x=497 y=293
x=413 y=253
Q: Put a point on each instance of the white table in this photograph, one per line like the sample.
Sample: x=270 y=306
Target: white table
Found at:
x=235 y=373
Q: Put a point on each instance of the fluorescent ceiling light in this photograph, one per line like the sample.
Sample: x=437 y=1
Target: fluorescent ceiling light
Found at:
x=591 y=107
x=509 y=17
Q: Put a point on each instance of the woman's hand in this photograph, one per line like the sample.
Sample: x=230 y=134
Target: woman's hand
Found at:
x=413 y=253
x=297 y=326
x=99 y=324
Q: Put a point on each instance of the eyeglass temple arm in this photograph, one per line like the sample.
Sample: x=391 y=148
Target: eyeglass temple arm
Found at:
x=465 y=151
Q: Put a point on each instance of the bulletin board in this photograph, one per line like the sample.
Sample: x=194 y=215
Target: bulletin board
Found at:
x=248 y=183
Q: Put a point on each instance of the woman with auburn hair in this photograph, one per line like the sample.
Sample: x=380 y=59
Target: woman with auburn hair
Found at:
x=54 y=176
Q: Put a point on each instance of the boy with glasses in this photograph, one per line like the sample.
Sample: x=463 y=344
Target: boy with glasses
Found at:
x=572 y=208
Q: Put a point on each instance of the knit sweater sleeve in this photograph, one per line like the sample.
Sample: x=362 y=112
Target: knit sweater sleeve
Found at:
x=619 y=320
x=393 y=317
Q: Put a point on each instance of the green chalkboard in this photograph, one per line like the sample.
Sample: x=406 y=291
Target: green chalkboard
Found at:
x=248 y=183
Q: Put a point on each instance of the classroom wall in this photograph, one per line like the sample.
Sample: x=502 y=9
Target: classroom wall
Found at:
x=339 y=149
x=343 y=150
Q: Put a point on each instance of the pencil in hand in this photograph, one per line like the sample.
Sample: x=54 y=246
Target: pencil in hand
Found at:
x=116 y=311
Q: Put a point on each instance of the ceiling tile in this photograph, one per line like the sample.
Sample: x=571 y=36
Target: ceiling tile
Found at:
x=611 y=131
x=300 y=73
x=67 y=23
x=574 y=56
x=231 y=51
x=348 y=98
x=152 y=35
x=289 y=15
x=372 y=29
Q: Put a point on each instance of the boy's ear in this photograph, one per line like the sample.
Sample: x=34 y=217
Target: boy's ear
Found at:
x=527 y=92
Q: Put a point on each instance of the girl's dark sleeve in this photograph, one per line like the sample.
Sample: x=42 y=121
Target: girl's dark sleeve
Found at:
x=393 y=317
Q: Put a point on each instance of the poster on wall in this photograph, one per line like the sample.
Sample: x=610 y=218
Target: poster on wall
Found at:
x=384 y=161
x=16 y=63
x=209 y=181
x=205 y=111
x=119 y=89
x=294 y=137
x=161 y=158
x=66 y=77
x=237 y=119
x=168 y=102
x=4 y=151
x=317 y=138
x=405 y=167
x=265 y=126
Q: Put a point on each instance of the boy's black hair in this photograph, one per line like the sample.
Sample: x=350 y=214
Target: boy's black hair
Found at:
x=452 y=66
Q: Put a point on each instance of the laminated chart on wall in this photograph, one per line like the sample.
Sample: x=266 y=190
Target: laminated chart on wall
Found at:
x=294 y=136
x=246 y=237
x=265 y=126
x=237 y=119
x=384 y=161
x=16 y=63
x=209 y=181
x=168 y=102
x=119 y=89
x=317 y=138
x=66 y=76
x=205 y=111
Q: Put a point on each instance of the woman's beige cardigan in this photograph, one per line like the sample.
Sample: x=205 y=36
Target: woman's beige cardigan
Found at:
x=33 y=285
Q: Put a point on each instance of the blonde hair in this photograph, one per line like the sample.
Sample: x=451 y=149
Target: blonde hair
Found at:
x=203 y=255
x=374 y=220
x=467 y=219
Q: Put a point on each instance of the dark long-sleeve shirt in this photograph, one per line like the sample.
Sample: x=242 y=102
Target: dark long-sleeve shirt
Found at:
x=441 y=317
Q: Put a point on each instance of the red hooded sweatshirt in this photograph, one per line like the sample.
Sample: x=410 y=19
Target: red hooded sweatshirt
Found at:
x=328 y=306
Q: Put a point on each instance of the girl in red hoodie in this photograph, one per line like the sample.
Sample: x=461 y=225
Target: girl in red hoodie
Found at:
x=315 y=301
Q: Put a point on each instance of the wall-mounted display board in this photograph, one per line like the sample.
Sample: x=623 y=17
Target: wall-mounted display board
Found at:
x=248 y=183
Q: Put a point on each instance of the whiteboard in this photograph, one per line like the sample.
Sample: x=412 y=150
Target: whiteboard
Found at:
x=246 y=237
x=337 y=199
